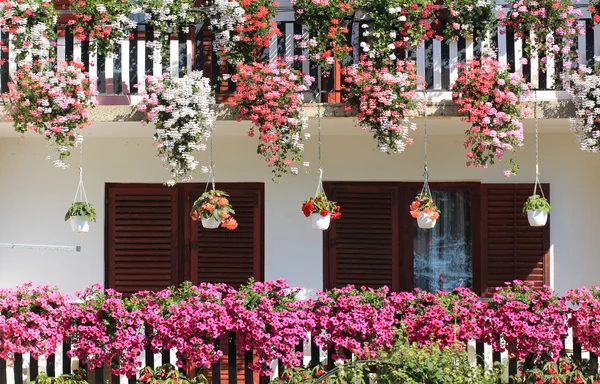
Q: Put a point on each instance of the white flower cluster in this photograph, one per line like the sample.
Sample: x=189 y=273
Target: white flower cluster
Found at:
x=225 y=16
x=166 y=17
x=183 y=110
x=584 y=87
x=29 y=33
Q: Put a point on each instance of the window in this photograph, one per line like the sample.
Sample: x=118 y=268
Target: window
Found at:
x=480 y=241
x=152 y=243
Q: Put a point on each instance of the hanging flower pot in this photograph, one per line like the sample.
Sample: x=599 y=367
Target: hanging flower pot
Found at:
x=210 y=222
x=537 y=209
x=321 y=211
x=214 y=210
x=319 y=221
x=424 y=210
x=80 y=214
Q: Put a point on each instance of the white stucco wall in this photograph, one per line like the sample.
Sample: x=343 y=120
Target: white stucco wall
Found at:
x=34 y=197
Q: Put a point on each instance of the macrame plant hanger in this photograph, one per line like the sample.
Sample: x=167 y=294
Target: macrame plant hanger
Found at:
x=320 y=188
x=425 y=189
x=80 y=196
x=537 y=162
x=211 y=166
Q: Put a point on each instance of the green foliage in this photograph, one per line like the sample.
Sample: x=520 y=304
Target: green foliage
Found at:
x=78 y=376
x=406 y=363
x=537 y=203
x=569 y=369
x=168 y=374
x=81 y=209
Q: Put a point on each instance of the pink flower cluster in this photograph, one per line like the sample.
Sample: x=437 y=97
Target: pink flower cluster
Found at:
x=452 y=319
x=268 y=319
x=530 y=321
x=358 y=321
x=53 y=102
x=270 y=96
x=490 y=97
x=556 y=26
x=385 y=97
x=33 y=319
x=105 y=328
x=585 y=319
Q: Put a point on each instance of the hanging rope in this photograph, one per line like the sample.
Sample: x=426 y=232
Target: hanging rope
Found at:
x=425 y=189
x=320 y=188
x=211 y=166
x=80 y=195
x=537 y=162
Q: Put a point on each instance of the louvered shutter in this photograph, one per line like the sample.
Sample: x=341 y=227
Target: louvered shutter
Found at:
x=231 y=257
x=142 y=244
x=512 y=250
x=362 y=247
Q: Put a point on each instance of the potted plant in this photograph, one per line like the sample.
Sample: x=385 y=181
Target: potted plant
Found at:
x=321 y=211
x=80 y=214
x=214 y=210
x=537 y=209
x=425 y=211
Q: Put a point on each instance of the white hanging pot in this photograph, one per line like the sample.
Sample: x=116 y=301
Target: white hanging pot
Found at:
x=424 y=220
x=210 y=223
x=320 y=222
x=79 y=224
x=537 y=218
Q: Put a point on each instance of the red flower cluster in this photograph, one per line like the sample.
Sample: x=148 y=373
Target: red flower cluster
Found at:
x=490 y=96
x=384 y=94
x=319 y=204
x=271 y=96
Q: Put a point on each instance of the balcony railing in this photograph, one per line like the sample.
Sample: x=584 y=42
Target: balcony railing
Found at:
x=436 y=60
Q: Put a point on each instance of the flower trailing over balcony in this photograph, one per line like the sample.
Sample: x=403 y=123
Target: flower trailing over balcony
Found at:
x=531 y=322
x=104 y=23
x=268 y=319
x=226 y=16
x=166 y=17
x=52 y=102
x=326 y=37
x=360 y=321
x=448 y=318
x=187 y=318
x=31 y=23
x=33 y=320
x=270 y=96
x=385 y=97
x=249 y=39
x=585 y=318
x=182 y=109
x=583 y=87
x=396 y=24
x=464 y=17
x=491 y=98
x=555 y=23
x=107 y=329
x=594 y=8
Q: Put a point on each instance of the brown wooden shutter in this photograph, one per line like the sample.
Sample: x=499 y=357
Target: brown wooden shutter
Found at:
x=362 y=247
x=142 y=247
x=231 y=257
x=512 y=250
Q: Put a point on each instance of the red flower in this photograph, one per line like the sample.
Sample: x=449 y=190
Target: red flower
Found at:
x=324 y=212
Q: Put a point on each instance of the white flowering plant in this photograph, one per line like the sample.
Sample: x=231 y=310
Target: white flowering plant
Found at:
x=105 y=23
x=52 y=102
x=584 y=87
x=31 y=25
x=183 y=112
x=226 y=16
x=166 y=17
